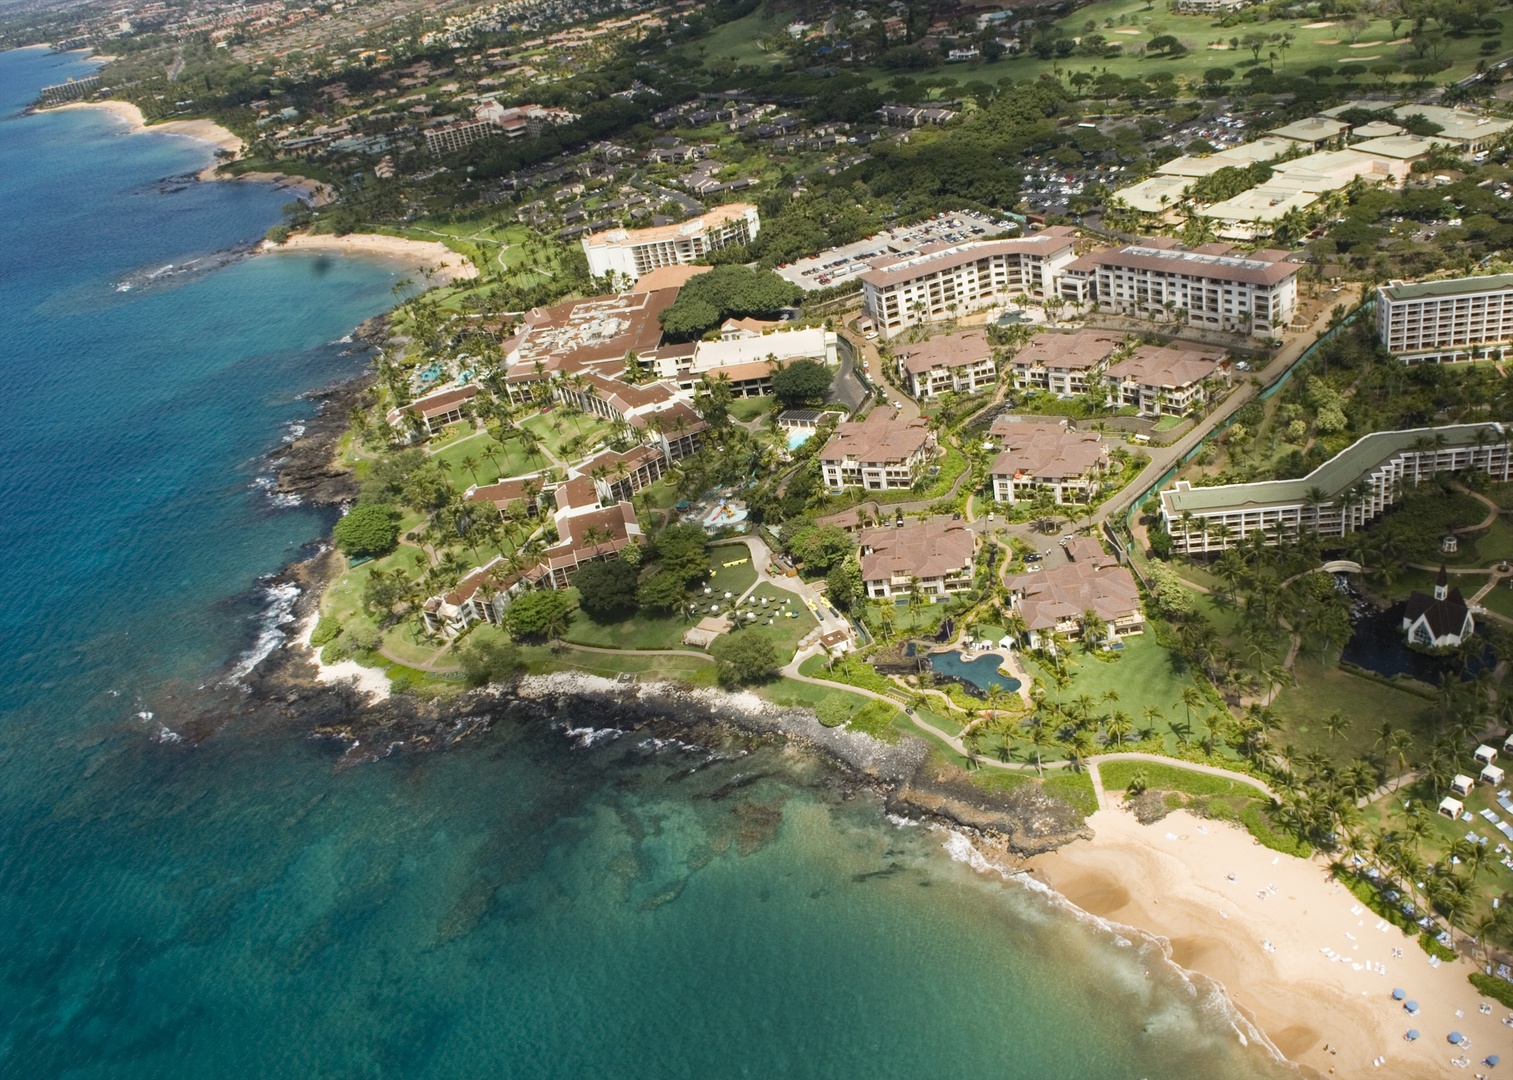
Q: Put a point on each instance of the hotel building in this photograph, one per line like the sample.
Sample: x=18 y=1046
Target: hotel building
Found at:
x=1446 y=321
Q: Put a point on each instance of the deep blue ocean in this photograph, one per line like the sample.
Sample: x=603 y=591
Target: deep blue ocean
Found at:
x=520 y=906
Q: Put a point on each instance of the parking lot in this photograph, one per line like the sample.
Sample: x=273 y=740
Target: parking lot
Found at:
x=838 y=264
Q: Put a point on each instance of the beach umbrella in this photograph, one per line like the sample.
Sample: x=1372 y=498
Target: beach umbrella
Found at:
x=1399 y=994
x=1412 y=1034
x=1456 y=1038
x=1411 y=1008
x=1492 y=1059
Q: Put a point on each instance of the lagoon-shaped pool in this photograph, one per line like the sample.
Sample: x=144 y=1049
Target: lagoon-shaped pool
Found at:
x=981 y=673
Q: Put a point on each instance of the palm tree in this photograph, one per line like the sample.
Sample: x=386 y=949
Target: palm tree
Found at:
x=1336 y=724
x=1120 y=726
x=1040 y=735
x=1192 y=698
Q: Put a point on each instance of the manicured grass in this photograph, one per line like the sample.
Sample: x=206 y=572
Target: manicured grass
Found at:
x=1117 y=776
x=1490 y=546
x=748 y=409
x=541 y=659
x=643 y=630
x=560 y=427
x=1146 y=675
x=494 y=461
x=1075 y=788
x=792 y=692
x=732 y=579
x=1166 y=423
x=1322 y=691
x=1499 y=600
x=785 y=633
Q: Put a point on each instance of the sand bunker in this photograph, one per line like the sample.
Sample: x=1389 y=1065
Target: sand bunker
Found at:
x=1129 y=30
x=1365 y=44
x=1359 y=59
x=1316 y=25
x=1219 y=48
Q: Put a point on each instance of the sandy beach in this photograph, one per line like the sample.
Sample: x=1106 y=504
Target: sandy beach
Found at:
x=1298 y=953
x=370 y=681
x=204 y=130
x=448 y=265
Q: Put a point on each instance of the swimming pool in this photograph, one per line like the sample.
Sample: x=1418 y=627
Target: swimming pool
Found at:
x=981 y=673
x=797 y=439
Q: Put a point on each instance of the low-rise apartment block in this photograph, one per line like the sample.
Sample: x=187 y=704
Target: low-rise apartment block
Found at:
x=880 y=453
x=1064 y=364
x=1446 y=321
x=1038 y=456
x=950 y=362
x=1165 y=380
x=934 y=557
x=943 y=283
x=1057 y=599
x=1337 y=498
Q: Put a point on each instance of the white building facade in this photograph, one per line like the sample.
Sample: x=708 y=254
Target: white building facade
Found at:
x=1446 y=321
x=1218 y=292
x=629 y=253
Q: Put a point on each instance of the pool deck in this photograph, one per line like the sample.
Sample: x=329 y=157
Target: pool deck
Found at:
x=1008 y=660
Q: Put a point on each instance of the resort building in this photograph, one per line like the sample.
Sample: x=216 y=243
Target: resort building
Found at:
x=1314 y=132
x=931 y=556
x=1046 y=456
x=1256 y=292
x=1337 y=498
x=1165 y=380
x=431 y=414
x=1446 y=321
x=942 y=283
x=654 y=409
x=482 y=595
x=618 y=475
x=1441 y=621
x=1064 y=364
x=1056 y=600
x=1467 y=131
x=880 y=453
x=962 y=363
x=596 y=333
x=518 y=496
x=746 y=360
x=629 y=253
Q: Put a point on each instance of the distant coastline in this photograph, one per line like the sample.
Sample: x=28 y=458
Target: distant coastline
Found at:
x=448 y=265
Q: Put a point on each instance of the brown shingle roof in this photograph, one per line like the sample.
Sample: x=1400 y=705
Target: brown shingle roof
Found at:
x=1147 y=256
x=1065 y=592
x=1153 y=365
x=1072 y=352
x=880 y=437
x=946 y=350
x=1048 y=452
x=926 y=549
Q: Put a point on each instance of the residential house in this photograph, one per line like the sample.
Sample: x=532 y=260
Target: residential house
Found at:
x=1055 y=600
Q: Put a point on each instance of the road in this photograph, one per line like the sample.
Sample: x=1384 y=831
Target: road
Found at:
x=1164 y=457
x=846 y=388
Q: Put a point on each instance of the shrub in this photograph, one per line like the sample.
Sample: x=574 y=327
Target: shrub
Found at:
x=1430 y=945
x=1259 y=826
x=401 y=682
x=1500 y=990
x=743 y=658
x=486 y=662
x=876 y=719
x=834 y=710
x=325 y=632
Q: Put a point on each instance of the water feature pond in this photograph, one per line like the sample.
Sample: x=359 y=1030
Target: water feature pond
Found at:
x=975 y=676
x=1378 y=645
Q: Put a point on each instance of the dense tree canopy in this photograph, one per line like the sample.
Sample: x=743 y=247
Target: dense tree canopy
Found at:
x=368 y=530
x=540 y=614
x=801 y=382
x=743 y=657
x=485 y=662
x=607 y=590
x=722 y=293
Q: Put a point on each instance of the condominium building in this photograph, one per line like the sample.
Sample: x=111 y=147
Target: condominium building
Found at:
x=1255 y=292
x=931 y=556
x=939 y=284
x=1164 y=380
x=1048 y=456
x=880 y=453
x=453 y=137
x=1341 y=495
x=951 y=362
x=630 y=253
x=1446 y=321
x=1058 y=599
x=1064 y=364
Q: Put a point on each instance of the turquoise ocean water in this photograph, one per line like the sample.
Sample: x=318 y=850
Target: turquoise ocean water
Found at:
x=526 y=905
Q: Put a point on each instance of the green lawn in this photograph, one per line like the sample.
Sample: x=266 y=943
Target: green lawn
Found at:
x=752 y=408
x=1486 y=548
x=732 y=579
x=541 y=659
x=1117 y=776
x=1322 y=691
x=493 y=460
x=643 y=630
x=1146 y=675
x=560 y=429
x=1499 y=600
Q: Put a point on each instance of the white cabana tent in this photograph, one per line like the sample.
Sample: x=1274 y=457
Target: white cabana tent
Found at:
x=1491 y=774
x=1451 y=808
x=1006 y=642
x=1462 y=784
x=1486 y=754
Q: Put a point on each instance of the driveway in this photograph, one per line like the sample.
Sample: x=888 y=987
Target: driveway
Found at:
x=846 y=388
